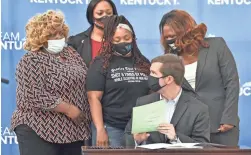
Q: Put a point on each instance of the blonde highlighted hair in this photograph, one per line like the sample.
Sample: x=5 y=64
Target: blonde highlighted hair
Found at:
x=42 y=26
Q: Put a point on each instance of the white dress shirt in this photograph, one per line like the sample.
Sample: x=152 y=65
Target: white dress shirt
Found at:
x=170 y=108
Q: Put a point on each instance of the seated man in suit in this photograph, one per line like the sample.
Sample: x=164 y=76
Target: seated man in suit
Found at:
x=187 y=118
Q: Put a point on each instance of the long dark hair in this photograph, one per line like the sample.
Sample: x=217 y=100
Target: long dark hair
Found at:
x=111 y=23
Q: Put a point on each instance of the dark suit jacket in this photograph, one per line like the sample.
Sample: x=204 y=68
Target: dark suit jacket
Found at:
x=217 y=83
x=82 y=44
x=190 y=120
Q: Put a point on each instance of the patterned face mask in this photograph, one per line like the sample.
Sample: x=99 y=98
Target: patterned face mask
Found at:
x=122 y=48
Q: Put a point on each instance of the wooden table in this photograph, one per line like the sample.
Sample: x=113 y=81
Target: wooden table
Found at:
x=204 y=151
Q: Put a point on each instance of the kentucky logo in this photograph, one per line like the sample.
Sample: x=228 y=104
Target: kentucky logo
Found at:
x=229 y=2
x=7 y=136
x=245 y=89
x=12 y=41
x=149 y=2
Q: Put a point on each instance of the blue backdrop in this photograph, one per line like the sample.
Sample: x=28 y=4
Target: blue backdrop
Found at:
x=225 y=18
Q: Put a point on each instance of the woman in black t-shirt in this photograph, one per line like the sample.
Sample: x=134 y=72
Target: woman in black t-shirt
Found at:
x=115 y=80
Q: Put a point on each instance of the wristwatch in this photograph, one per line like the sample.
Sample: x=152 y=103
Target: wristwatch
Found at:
x=174 y=140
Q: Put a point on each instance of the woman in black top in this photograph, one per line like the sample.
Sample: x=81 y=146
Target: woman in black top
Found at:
x=88 y=43
x=114 y=82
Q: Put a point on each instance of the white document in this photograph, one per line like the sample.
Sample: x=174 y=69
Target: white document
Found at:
x=170 y=146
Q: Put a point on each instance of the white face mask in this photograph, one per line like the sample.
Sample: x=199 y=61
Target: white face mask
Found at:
x=56 y=46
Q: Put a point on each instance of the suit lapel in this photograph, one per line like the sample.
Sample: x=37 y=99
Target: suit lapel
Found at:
x=180 y=109
x=87 y=51
x=154 y=98
x=201 y=64
x=187 y=86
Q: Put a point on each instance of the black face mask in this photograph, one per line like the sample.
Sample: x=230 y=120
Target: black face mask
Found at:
x=170 y=41
x=171 y=44
x=99 y=22
x=122 y=48
x=153 y=83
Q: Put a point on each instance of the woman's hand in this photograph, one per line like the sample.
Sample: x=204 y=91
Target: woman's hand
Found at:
x=74 y=112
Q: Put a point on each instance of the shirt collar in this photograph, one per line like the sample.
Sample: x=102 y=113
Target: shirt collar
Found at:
x=176 y=99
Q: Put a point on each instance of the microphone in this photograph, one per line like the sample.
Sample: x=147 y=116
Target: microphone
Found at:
x=6 y=81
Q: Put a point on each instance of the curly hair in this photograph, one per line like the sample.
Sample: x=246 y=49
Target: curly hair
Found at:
x=111 y=23
x=189 y=35
x=41 y=26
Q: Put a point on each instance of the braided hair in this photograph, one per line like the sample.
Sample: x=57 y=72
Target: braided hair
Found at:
x=106 y=51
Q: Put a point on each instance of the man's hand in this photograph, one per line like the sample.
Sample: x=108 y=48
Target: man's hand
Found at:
x=225 y=127
x=168 y=130
x=102 y=138
x=140 y=137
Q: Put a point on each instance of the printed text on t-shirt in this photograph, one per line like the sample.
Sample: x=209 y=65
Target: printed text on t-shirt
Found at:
x=127 y=74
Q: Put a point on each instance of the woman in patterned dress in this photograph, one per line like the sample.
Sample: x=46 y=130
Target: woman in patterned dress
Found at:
x=52 y=115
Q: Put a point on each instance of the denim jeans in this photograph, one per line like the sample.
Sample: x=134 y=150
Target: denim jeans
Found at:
x=115 y=135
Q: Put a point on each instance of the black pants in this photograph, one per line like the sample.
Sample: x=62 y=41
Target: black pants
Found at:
x=31 y=144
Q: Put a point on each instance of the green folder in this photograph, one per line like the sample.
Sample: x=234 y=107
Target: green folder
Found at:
x=147 y=118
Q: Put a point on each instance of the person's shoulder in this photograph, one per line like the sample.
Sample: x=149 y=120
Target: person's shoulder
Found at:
x=146 y=60
x=25 y=57
x=213 y=41
x=217 y=45
x=69 y=49
x=75 y=40
x=147 y=99
x=144 y=57
x=36 y=55
x=33 y=59
x=82 y=35
x=79 y=35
